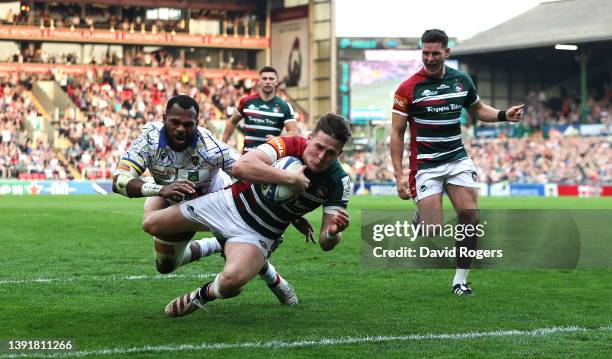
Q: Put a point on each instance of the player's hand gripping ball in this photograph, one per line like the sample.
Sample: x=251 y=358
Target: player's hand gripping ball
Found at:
x=279 y=192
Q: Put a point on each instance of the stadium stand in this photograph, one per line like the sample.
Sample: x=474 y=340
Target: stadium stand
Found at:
x=25 y=152
x=113 y=100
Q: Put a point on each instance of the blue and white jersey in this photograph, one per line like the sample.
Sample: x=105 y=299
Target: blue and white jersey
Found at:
x=199 y=163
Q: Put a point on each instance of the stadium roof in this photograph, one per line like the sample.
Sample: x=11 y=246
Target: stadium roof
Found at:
x=549 y=23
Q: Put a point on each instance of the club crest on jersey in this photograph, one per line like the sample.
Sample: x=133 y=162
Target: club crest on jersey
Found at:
x=195 y=160
x=276 y=109
x=458 y=87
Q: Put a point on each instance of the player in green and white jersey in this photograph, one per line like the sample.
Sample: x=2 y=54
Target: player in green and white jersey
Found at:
x=185 y=161
x=265 y=114
x=430 y=102
x=252 y=225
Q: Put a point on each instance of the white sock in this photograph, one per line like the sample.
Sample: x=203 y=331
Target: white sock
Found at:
x=208 y=246
x=269 y=274
x=460 y=276
x=177 y=253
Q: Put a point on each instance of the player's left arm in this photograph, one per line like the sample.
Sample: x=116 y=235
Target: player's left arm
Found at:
x=486 y=113
x=335 y=216
x=332 y=226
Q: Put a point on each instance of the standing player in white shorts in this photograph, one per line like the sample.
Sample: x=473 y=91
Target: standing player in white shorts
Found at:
x=185 y=161
x=431 y=101
x=251 y=223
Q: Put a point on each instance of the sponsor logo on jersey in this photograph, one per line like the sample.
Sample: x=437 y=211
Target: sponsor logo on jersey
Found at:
x=320 y=192
x=252 y=107
x=193 y=176
x=278 y=145
x=423 y=188
x=451 y=107
x=474 y=176
x=429 y=93
x=298 y=205
x=442 y=87
x=264 y=106
x=263 y=244
x=399 y=101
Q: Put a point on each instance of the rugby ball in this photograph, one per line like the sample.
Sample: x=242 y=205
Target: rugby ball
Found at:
x=279 y=192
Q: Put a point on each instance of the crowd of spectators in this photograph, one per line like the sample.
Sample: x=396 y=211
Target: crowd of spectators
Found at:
x=70 y=15
x=25 y=151
x=535 y=159
x=113 y=105
x=131 y=19
x=158 y=58
x=558 y=159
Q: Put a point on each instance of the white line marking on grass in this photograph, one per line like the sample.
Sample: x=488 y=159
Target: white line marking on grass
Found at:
x=279 y=344
x=107 y=278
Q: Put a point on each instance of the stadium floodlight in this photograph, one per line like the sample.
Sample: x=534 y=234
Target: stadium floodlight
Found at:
x=566 y=47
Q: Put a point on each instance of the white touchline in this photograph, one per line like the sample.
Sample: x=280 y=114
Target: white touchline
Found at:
x=108 y=278
x=279 y=344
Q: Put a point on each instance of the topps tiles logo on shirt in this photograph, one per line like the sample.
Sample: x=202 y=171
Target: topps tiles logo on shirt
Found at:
x=451 y=107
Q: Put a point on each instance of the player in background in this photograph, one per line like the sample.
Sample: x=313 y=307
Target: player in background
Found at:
x=185 y=161
x=264 y=113
x=253 y=224
x=430 y=101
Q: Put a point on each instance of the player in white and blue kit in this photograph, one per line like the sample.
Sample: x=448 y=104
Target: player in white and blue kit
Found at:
x=185 y=161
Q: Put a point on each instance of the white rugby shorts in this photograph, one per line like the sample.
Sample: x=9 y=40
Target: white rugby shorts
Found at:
x=432 y=180
x=218 y=212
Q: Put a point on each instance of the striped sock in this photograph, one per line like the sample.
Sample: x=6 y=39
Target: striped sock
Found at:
x=203 y=293
x=269 y=275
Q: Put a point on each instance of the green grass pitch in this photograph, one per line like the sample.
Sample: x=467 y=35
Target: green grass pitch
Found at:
x=102 y=290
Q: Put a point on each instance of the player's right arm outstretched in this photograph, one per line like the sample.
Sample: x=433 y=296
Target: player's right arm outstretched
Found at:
x=127 y=183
